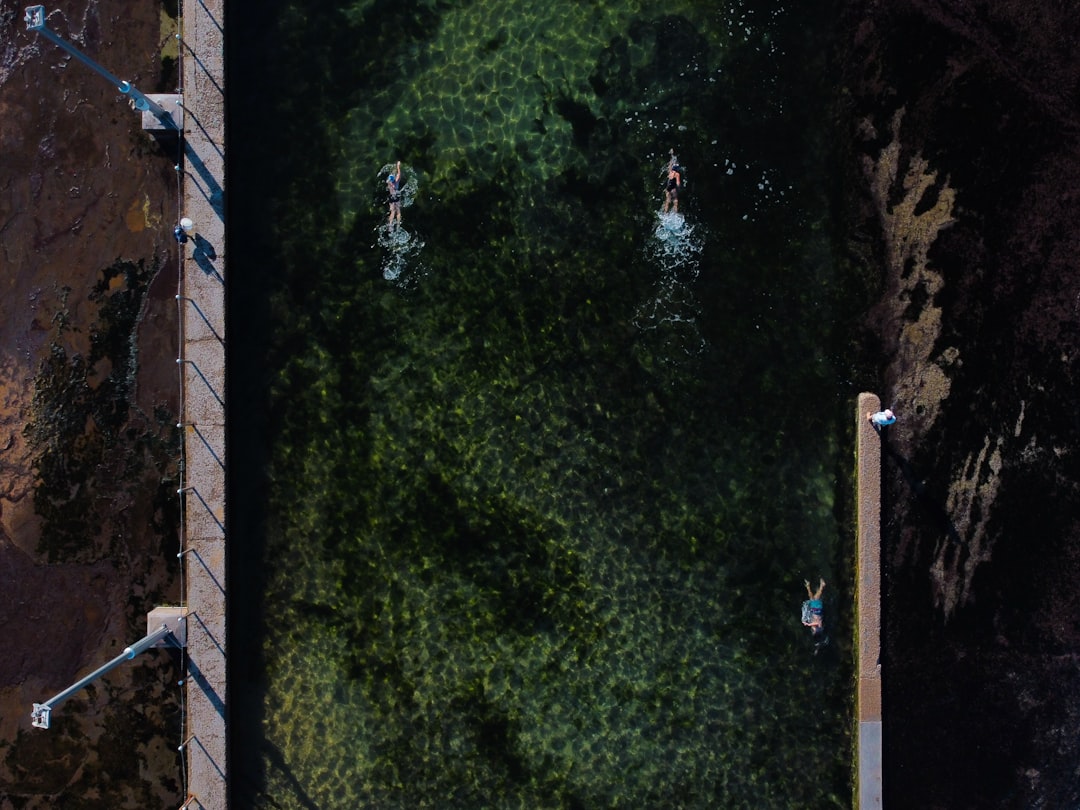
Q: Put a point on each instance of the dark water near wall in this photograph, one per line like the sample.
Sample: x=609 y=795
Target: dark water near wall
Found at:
x=523 y=495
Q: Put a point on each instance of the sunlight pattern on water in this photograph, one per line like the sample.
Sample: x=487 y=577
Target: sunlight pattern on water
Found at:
x=540 y=509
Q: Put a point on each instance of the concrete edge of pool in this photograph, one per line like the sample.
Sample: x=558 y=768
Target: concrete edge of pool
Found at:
x=868 y=793
x=201 y=363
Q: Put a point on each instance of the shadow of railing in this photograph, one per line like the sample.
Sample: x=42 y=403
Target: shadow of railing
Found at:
x=194 y=552
x=209 y=448
x=213 y=192
x=202 y=315
x=210 y=14
x=207 y=688
x=209 y=635
x=200 y=62
x=206 y=506
x=194 y=738
x=209 y=387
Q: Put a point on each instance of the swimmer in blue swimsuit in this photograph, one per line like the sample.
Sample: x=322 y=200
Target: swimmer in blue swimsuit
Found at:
x=393 y=191
x=812 y=617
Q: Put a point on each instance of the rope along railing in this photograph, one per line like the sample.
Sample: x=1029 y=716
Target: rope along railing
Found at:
x=202 y=464
x=184 y=731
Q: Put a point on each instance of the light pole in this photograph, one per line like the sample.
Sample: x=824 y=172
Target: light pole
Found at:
x=172 y=630
x=35 y=21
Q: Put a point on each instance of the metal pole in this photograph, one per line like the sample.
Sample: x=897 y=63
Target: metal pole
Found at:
x=40 y=715
x=35 y=21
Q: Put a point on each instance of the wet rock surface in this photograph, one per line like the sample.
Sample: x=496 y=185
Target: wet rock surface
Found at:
x=966 y=124
x=88 y=397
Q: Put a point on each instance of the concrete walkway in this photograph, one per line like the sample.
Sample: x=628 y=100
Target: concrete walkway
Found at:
x=202 y=363
x=868 y=602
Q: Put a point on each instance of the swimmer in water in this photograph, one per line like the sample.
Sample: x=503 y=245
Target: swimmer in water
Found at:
x=813 y=614
x=393 y=191
x=672 y=185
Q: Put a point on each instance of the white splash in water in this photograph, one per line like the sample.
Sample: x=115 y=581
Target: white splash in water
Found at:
x=672 y=310
x=402 y=249
x=676 y=243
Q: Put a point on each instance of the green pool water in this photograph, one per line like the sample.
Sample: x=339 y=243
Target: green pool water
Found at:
x=547 y=471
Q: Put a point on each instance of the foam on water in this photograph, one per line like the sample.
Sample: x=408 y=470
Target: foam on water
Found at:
x=401 y=253
x=671 y=309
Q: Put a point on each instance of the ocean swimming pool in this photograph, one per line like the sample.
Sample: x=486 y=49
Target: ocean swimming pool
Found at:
x=546 y=471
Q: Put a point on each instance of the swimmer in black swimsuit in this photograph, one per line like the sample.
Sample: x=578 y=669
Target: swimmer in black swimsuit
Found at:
x=671 y=187
x=393 y=191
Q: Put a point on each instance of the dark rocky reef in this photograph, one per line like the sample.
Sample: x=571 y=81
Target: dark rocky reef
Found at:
x=965 y=127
